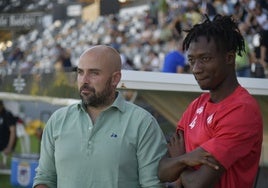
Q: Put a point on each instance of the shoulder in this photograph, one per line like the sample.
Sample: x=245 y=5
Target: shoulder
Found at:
x=61 y=117
x=129 y=108
x=8 y=116
x=174 y=54
x=240 y=109
x=139 y=116
x=242 y=98
x=136 y=110
x=65 y=110
x=7 y=113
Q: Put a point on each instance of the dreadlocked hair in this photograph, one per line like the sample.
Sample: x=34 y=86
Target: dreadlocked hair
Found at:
x=223 y=29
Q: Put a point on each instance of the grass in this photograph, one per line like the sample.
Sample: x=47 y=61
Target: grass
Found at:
x=5 y=179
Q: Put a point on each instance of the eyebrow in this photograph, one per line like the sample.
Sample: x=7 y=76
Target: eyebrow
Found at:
x=90 y=70
x=200 y=54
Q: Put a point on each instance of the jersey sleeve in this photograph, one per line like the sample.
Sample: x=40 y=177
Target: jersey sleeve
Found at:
x=237 y=133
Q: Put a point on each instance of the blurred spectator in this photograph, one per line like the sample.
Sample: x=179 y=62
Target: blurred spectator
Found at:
x=63 y=58
x=193 y=13
x=166 y=33
x=163 y=10
x=262 y=20
x=174 y=61
x=208 y=8
x=3 y=66
x=15 y=59
x=146 y=35
x=243 y=62
x=224 y=7
x=15 y=56
x=153 y=12
x=7 y=130
x=127 y=64
x=240 y=12
x=152 y=62
x=177 y=28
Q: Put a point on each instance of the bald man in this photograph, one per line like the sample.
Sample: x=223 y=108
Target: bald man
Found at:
x=103 y=141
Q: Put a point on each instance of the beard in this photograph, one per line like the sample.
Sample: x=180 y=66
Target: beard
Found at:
x=97 y=99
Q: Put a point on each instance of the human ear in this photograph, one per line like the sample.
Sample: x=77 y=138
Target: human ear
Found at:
x=116 y=78
x=230 y=57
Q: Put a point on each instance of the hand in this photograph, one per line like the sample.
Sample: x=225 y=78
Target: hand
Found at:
x=199 y=157
x=176 y=145
x=7 y=151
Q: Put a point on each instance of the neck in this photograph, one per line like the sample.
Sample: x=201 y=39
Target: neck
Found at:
x=223 y=91
x=94 y=113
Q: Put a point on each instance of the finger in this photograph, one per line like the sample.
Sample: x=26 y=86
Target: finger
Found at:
x=169 y=146
x=207 y=154
x=176 y=137
x=210 y=164
x=181 y=135
x=172 y=140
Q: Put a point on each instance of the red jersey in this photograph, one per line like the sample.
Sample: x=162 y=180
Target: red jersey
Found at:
x=231 y=131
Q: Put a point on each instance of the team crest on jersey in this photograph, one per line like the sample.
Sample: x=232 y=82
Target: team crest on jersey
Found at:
x=200 y=110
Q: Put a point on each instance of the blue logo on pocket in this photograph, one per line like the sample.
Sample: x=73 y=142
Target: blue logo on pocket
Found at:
x=113 y=135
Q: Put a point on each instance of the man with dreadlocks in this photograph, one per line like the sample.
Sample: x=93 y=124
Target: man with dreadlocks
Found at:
x=219 y=136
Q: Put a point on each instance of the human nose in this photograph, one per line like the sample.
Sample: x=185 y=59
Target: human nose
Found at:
x=196 y=66
x=84 y=78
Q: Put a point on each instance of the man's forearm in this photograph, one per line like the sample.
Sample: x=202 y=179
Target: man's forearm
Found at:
x=172 y=166
x=204 y=176
x=170 y=169
x=11 y=141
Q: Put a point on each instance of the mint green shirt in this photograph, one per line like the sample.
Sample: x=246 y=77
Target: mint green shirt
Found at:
x=121 y=150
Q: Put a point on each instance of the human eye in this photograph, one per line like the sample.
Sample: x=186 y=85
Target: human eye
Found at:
x=94 y=73
x=191 y=60
x=206 y=59
x=79 y=71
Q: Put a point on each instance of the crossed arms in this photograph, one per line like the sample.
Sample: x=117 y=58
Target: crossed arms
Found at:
x=181 y=167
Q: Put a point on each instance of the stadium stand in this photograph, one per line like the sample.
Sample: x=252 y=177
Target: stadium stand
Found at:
x=136 y=33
